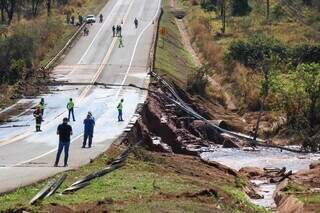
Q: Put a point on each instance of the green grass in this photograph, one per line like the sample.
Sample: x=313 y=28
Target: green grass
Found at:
x=309 y=199
x=142 y=185
x=286 y=28
x=171 y=58
x=242 y=201
x=138 y=179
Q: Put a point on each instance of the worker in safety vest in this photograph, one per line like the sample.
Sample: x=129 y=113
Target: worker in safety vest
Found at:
x=120 y=42
x=38 y=117
x=120 y=107
x=70 y=107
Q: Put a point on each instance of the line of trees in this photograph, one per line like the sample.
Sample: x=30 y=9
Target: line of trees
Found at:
x=28 y=8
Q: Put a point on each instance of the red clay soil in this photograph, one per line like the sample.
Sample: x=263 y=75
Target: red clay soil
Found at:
x=310 y=180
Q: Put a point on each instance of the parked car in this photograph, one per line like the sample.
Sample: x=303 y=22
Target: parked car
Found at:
x=90 y=19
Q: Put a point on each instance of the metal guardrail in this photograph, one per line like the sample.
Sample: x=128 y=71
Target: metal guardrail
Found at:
x=57 y=56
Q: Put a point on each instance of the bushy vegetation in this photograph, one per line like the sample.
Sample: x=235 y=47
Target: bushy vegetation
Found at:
x=298 y=95
x=253 y=50
x=22 y=51
x=209 y=5
x=198 y=80
x=238 y=56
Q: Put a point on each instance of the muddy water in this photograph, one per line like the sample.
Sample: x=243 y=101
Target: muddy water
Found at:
x=264 y=157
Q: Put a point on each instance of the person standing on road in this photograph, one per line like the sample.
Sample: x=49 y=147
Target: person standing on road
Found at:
x=120 y=107
x=120 y=42
x=120 y=29
x=64 y=131
x=42 y=105
x=117 y=30
x=101 y=18
x=70 y=107
x=136 y=23
x=38 y=117
x=113 y=31
x=88 y=130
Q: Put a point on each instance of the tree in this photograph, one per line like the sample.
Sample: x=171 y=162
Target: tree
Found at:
x=240 y=8
x=309 y=75
x=10 y=7
x=48 y=7
x=269 y=69
x=35 y=6
x=299 y=95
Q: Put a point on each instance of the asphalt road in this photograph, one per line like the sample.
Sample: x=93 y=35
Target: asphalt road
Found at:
x=27 y=156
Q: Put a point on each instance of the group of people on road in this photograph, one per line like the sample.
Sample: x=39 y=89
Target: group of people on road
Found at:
x=64 y=130
x=117 y=32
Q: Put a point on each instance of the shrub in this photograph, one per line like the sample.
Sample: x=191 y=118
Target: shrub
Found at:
x=16 y=54
x=256 y=49
x=277 y=13
x=299 y=95
x=209 y=5
x=305 y=53
x=198 y=81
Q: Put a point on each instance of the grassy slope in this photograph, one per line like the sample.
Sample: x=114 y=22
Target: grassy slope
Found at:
x=149 y=182
x=172 y=59
x=311 y=200
x=286 y=28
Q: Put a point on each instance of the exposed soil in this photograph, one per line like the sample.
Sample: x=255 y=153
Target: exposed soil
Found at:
x=30 y=88
x=188 y=167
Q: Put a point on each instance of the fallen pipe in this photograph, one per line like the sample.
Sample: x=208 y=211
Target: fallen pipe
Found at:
x=117 y=163
x=48 y=189
x=56 y=185
x=14 y=126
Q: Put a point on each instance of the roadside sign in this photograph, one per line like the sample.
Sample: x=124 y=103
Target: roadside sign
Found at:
x=163 y=31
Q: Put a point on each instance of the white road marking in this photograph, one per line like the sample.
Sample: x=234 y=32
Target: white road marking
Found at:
x=125 y=77
x=135 y=48
x=26 y=134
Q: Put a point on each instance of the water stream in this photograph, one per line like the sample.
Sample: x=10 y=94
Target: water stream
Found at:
x=264 y=157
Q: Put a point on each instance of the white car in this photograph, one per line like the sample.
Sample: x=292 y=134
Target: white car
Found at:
x=90 y=19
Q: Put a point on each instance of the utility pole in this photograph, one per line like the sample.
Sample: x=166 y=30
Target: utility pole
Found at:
x=223 y=13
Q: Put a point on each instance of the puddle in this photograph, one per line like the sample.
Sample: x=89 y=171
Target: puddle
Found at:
x=265 y=157
x=266 y=189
